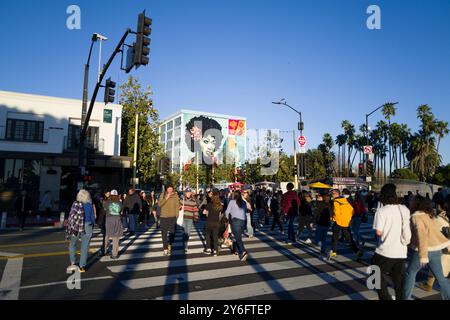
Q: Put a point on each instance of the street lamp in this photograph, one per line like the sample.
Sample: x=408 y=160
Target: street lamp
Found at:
x=300 y=128
x=101 y=38
x=367 y=130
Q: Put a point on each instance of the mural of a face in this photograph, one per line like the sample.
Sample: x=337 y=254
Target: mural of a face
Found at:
x=208 y=146
x=205 y=135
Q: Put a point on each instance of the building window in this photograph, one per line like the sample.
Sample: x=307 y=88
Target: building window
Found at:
x=73 y=138
x=169 y=125
x=169 y=135
x=177 y=132
x=24 y=130
x=178 y=122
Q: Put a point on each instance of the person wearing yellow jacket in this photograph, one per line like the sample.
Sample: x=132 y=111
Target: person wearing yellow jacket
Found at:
x=342 y=215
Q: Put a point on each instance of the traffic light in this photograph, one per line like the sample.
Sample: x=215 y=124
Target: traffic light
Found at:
x=87 y=178
x=361 y=169
x=109 y=91
x=370 y=169
x=141 y=48
x=295 y=171
x=301 y=126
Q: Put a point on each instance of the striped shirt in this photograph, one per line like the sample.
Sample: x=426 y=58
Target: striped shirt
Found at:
x=190 y=207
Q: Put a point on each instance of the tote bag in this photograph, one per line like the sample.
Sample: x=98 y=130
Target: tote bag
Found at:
x=181 y=216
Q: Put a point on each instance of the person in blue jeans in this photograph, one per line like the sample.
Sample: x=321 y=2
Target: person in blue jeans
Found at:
x=84 y=198
x=236 y=211
x=427 y=243
x=322 y=217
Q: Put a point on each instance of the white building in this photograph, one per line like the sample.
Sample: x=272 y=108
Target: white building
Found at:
x=39 y=136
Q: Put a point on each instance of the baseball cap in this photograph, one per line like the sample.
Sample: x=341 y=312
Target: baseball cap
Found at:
x=187 y=190
x=114 y=192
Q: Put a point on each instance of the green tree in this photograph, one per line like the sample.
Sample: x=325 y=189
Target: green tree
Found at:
x=441 y=130
x=135 y=99
x=404 y=173
x=442 y=176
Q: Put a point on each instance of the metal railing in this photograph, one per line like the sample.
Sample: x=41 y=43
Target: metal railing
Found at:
x=42 y=138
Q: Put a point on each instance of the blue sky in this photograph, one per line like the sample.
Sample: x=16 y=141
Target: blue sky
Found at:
x=236 y=56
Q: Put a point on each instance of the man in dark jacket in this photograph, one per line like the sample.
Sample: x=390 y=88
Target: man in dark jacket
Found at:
x=132 y=207
x=290 y=203
x=23 y=207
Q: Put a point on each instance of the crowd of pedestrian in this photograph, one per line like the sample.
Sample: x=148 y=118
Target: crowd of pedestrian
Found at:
x=411 y=232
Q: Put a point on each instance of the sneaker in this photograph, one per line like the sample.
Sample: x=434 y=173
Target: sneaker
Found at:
x=215 y=253
x=331 y=254
x=82 y=270
x=308 y=241
x=71 y=268
x=114 y=257
x=207 y=251
x=170 y=248
x=244 y=257
x=166 y=252
x=425 y=286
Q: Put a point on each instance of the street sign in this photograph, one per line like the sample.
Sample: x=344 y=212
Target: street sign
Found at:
x=107 y=116
x=302 y=150
x=368 y=150
x=302 y=141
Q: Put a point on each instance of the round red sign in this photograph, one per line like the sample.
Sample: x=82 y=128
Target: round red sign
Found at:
x=302 y=140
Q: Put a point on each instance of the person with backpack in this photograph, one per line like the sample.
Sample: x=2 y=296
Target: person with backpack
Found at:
x=392 y=226
x=322 y=218
x=80 y=226
x=341 y=216
x=114 y=227
x=427 y=243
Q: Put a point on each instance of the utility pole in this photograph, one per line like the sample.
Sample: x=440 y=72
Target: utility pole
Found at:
x=295 y=158
x=135 y=149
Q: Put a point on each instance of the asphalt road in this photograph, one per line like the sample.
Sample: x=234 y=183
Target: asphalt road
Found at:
x=33 y=266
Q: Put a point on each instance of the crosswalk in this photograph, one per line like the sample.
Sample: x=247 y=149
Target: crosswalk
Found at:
x=273 y=270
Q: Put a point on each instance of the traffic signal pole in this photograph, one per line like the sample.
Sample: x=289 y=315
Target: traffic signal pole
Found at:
x=86 y=116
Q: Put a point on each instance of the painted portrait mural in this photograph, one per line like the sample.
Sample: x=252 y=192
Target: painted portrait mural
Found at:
x=214 y=139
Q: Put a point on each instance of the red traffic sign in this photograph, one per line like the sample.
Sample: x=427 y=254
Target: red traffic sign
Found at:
x=302 y=141
x=368 y=150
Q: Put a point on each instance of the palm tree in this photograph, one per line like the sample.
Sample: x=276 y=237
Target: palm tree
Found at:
x=441 y=130
x=349 y=130
x=340 y=141
x=382 y=128
x=389 y=110
x=327 y=146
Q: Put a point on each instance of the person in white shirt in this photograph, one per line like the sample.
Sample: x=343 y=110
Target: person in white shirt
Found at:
x=392 y=226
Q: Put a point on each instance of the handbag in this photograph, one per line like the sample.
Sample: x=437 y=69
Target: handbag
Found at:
x=180 y=218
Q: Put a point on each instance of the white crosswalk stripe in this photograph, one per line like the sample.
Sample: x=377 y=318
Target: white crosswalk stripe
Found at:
x=273 y=268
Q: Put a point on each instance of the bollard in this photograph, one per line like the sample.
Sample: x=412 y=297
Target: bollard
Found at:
x=3 y=223
x=61 y=219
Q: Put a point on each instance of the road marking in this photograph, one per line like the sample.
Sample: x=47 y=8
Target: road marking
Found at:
x=270 y=287
x=63 y=282
x=148 y=282
x=39 y=255
x=12 y=275
x=18 y=245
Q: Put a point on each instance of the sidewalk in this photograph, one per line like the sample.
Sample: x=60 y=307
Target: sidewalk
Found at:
x=32 y=221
